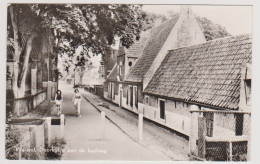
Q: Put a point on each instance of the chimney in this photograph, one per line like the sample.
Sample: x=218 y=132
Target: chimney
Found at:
x=186 y=11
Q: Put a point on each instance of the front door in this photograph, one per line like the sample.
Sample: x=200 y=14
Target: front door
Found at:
x=162 y=109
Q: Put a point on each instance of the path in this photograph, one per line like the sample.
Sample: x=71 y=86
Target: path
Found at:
x=83 y=134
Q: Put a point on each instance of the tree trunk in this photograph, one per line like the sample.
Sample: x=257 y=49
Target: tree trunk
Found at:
x=20 y=106
x=19 y=81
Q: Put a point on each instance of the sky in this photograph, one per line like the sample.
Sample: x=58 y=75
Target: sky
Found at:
x=236 y=19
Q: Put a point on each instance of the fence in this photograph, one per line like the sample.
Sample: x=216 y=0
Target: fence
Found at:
x=26 y=104
x=99 y=90
x=36 y=141
x=220 y=135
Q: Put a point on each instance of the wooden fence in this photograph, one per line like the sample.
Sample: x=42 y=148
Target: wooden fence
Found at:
x=28 y=103
x=220 y=135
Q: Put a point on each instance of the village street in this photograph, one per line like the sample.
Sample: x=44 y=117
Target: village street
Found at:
x=121 y=133
x=83 y=136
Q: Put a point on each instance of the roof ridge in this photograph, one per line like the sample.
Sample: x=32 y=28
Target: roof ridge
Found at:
x=215 y=40
x=165 y=22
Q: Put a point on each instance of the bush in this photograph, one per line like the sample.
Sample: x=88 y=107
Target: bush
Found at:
x=55 y=151
x=12 y=139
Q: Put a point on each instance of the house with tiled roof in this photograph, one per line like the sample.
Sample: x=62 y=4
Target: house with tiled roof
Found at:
x=180 y=31
x=136 y=65
x=126 y=59
x=205 y=89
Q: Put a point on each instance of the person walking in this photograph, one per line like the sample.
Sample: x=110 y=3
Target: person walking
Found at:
x=58 y=101
x=77 y=100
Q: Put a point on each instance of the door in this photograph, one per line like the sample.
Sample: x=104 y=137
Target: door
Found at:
x=121 y=94
x=162 y=109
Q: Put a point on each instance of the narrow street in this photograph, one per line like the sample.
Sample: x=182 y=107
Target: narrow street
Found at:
x=122 y=126
x=83 y=136
x=154 y=137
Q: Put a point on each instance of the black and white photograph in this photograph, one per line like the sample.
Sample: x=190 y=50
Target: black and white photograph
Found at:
x=128 y=82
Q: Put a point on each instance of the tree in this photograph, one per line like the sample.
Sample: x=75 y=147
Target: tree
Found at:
x=151 y=20
x=211 y=30
x=93 y=27
x=22 y=28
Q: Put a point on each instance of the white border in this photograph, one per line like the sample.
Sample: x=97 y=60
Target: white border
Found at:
x=255 y=157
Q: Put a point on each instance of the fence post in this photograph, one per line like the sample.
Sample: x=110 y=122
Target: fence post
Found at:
x=230 y=151
x=103 y=115
x=247 y=128
x=47 y=131
x=193 y=148
x=62 y=123
x=49 y=94
x=32 y=142
x=20 y=152
x=140 y=127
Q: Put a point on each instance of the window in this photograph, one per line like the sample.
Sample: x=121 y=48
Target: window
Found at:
x=109 y=90
x=113 y=91
x=131 y=96
x=135 y=93
x=120 y=70
x=175 y=104
x=209 y=116
x=239 y=124
x=130 y=64
x=147 y=99
x=162 y=109
x=101 y=69
x=248 y=91
x=127 y=95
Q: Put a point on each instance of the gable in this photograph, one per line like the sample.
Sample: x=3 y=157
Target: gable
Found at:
x=153 y=45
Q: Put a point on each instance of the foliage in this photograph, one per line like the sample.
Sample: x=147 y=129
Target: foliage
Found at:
x=150 y=20
x=92 y=27
x=211 y=30
x=13 y=138
x=55 y=151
